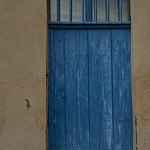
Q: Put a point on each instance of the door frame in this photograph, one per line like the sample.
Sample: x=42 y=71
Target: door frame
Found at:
x=92 y=25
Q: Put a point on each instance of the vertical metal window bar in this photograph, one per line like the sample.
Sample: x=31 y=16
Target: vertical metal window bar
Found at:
x=70 y=10
x=58 y=10
x=120 y=10
x=82 y=10
x=95 y=10
x=87 y=12
x=107 y=11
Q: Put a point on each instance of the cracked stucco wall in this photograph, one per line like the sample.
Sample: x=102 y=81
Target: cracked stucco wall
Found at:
x=141 y=45
x=23 y=45
x=22 y=74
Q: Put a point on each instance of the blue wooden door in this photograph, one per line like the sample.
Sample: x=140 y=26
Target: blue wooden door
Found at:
x=90 y=97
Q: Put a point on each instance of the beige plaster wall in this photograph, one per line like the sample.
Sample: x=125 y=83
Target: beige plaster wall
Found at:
x=141 y=41
x=23 y=43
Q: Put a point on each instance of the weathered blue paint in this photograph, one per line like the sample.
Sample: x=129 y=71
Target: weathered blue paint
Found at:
x=100 y=89
x=59 y=102
x=51 y=88
x=77 y=123
x=122 y=92
x=90 y=103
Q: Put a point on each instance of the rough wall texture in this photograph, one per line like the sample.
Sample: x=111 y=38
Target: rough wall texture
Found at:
x=23 y=45
x=141 y=43
x=22 y=74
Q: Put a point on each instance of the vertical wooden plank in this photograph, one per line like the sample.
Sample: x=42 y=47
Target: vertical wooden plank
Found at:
x=100 y=89
x=94 y=90
x=77 y=129
x=128 y=91
x=51 y=87
x=106 y=74
x=82 y=91
x=122 y=98
x=72 y=128
x=59 y=101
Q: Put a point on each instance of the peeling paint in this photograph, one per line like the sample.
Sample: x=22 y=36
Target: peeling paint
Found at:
x=28 y=104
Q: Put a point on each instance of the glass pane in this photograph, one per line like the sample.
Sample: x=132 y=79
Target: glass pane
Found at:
x=113 y=10
x=64 y=10
x=76 y=10
x=101 y=10
x=125 y=10
x=84 y=11
x=53 y=10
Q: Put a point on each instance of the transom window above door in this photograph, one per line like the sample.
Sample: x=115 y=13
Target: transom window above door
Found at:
x=89 y=11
